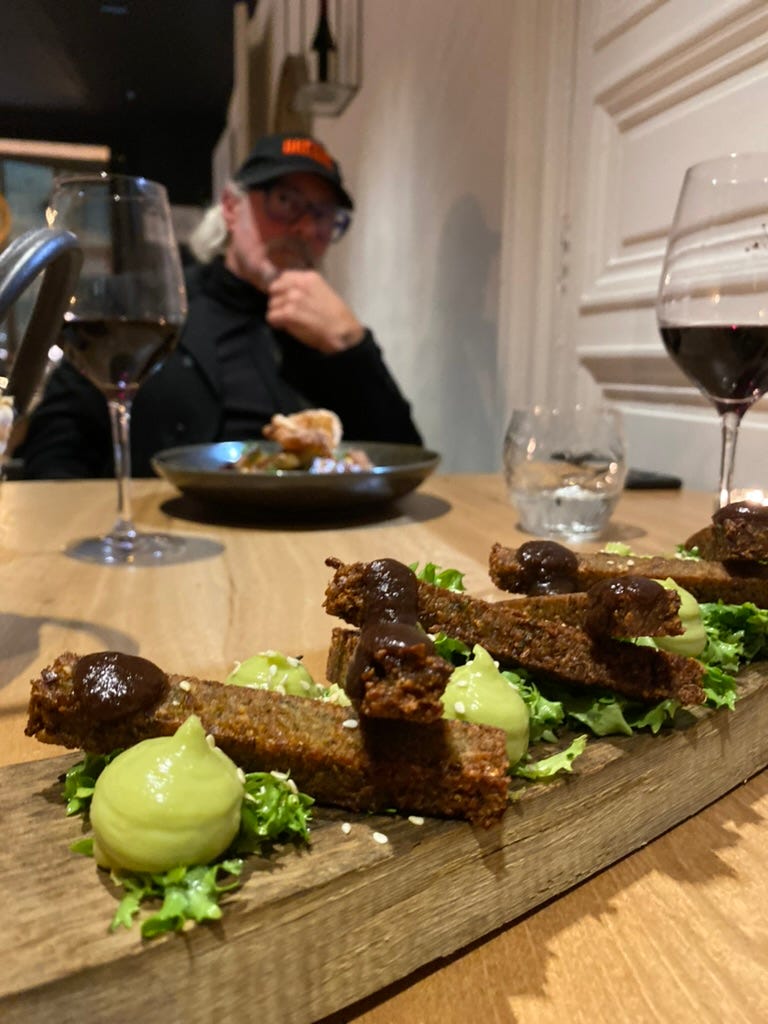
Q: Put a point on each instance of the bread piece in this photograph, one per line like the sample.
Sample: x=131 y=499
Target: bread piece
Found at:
x=407 y=683
x=738 y=532
x=628 y=606
x=707 y=581
x=565 y=653
x=448 y=769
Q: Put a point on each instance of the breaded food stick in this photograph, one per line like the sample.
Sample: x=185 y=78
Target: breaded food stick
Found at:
x=447 y=769
x=561 y=652
x=739 y=532
x=730 y=582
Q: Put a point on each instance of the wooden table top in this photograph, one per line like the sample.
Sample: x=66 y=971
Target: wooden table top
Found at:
x=674 y=932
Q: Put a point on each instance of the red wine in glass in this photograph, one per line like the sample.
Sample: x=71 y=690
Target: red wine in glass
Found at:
x=122 y=321
x=728 y=362
x=117 y=354
x=712 y=306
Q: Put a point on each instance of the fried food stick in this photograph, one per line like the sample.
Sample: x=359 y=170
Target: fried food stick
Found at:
x=706 y=580
x=565 y=653
x=394 y=671
x=629 y=606
x=738 y=532
x=448 y=769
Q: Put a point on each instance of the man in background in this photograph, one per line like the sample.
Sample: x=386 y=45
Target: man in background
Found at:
x=265 y=332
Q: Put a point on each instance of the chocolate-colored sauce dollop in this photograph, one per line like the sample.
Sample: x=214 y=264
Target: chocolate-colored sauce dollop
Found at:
x=389 y=620
x=643 y=591
x=547 y=568
x=109 y=685
x=737 y=511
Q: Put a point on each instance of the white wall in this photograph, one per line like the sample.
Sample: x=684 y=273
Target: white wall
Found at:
x=422 y=146
x=491 y=154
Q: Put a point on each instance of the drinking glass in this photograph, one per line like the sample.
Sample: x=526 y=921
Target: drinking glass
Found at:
x=122 y=321
x=712 y=306
x=564 y=469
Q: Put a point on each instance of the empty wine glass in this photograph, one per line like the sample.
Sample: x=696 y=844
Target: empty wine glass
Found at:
x=123 y=319
x=712 y=307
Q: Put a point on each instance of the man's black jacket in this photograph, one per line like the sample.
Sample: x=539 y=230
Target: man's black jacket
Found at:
x=230 y=373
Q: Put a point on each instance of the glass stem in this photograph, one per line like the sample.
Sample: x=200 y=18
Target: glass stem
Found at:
x=123 y=532
x=730 y=430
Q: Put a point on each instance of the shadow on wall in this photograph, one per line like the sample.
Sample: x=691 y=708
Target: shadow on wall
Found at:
x=459 y=365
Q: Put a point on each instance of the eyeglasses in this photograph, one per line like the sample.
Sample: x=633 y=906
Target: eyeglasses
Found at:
x=287 y=205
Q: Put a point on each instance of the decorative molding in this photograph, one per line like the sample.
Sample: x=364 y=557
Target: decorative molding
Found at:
x=648 y=367
x=720 y=48
x=615 y=17
x=717 y=50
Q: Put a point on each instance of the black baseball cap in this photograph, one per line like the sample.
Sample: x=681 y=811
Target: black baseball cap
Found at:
x=276 y=155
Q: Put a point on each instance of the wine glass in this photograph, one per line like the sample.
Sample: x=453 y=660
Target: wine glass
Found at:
x=712 y=307
x=122 y=321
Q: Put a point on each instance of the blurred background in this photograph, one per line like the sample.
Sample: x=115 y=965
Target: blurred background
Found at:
x=515 y=165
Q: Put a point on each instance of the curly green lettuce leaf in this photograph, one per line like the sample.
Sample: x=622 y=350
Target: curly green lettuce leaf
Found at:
x=187 y=894
x=617 y=547
x=720 y=688
x=736 y=634
x=608 y=714
x=455 y=651
x=448 y=579
x=80 y=780
x=273 y=810
x=687 y=554
x=546 y=715
x=548 y=767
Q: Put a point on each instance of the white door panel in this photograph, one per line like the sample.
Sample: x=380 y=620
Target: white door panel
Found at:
x=658 y=86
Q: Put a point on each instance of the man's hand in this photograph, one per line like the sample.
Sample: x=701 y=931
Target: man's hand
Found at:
x=302 y=303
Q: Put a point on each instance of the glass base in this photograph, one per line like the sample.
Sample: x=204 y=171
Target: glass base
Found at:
x=143 y=549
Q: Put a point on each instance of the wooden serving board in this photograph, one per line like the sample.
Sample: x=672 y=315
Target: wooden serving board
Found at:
x=314 y=931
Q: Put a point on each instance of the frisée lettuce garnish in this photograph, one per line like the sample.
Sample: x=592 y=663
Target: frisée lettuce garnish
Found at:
x=271 y=810
x=726 y=637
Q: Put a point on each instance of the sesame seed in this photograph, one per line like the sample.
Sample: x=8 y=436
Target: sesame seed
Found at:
x=273 y=670
x=293 y=661
x=305 y=686
x=415 y=819
x=379 y=837
x=630 y=561
x=459 y=707
x=209 y=739
x=292 y=785
x=241 y=775
x=350 y=723
x=281 y=776
x=185 y=685
x=346 y=828
x=279 y=688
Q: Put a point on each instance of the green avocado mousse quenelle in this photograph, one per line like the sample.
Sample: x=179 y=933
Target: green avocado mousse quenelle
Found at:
x=477 y=692
x=166 y=801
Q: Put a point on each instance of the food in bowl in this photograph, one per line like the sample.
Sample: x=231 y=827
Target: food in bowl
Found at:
x=309 y=441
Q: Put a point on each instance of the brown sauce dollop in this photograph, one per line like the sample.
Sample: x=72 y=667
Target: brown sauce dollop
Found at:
x=737 y=511
x=547 y=568
x=641 y=591
x=110 y=685
x=390 y=619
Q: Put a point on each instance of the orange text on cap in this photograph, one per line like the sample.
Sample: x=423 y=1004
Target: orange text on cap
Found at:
x=308 y=148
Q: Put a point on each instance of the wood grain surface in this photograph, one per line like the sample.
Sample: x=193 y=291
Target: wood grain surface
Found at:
x=674 y=932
